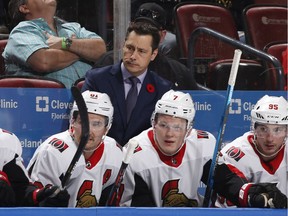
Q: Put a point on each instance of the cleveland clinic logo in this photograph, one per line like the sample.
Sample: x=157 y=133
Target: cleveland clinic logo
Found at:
x=56 y=108
x=42 y=104
x=238 y=105
x=235 y=106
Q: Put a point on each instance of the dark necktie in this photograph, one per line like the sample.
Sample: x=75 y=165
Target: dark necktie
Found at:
x=131 y=96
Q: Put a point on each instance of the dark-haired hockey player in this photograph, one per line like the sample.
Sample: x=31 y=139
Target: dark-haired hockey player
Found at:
x=252 y=169
x=97 y=168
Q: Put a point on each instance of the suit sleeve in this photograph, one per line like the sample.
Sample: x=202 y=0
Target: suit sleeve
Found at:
x=88 y=84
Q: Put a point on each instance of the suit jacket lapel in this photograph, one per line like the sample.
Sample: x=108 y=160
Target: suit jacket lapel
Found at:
x=118 y=89
x=146 y=94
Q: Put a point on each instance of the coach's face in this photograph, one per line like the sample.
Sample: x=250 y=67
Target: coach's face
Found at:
x=97 y=132
x=137 y=53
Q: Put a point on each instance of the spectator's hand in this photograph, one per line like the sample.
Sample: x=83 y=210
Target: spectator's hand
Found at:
x=52 y=196
x=266 y=195
x=53 y=41
x=7 y=195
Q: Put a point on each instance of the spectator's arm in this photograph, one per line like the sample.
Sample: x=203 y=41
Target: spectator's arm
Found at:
x=90 y=49
x=87 y=48
x=49 y=60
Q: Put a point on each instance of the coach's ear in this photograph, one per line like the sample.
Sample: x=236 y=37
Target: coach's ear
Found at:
x=154 y=54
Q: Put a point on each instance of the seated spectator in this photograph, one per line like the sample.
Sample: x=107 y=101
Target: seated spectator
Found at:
x=95 y=173
x=140 y=47
x=16 y=189
x=42 y=44
x=156 y=15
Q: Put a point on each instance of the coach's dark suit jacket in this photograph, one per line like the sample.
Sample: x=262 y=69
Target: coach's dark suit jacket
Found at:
x=109 y=80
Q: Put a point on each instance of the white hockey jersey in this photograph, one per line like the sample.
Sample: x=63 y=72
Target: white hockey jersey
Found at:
x=169 y=180
x=89 y=178
x=243 y=160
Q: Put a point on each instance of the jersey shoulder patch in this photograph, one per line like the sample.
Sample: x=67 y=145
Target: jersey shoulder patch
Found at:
x=202 y=134
x=58 y=144
x=235 y=153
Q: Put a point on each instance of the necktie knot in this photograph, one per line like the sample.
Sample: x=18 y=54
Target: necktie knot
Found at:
x=133 y=80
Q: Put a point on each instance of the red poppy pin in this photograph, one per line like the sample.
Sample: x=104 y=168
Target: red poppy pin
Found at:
x=150 y=88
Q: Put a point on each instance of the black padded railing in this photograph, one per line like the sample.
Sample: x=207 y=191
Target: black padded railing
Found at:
x=238 y=45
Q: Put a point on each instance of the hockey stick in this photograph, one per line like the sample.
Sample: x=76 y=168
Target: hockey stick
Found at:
x=132 y=144
x=84 y=134
x=230 y=88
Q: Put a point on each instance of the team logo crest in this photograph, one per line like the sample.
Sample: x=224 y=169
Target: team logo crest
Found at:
x=172 y=198
x=58 y=144
x=85 y=197
x=202 y=134
x=235 y=153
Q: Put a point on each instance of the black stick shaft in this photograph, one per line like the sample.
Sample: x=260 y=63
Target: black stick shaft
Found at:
x=84 y=135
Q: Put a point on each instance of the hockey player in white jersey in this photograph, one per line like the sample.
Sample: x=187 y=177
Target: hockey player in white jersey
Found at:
x=16 y=189
x=96 y=170
x=252 y=169
x=171 y=160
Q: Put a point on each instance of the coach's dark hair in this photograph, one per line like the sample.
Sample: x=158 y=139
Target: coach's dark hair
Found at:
x=15 y=16
x=144 y=28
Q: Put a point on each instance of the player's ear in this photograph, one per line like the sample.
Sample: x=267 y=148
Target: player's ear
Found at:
x=72 y=124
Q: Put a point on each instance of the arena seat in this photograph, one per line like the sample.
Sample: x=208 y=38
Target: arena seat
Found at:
x=188 y=16
x=277 y=50
x=29 y=82
x=251 y=76
x=274 y=2
x=79 y=83
x=264 y=24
